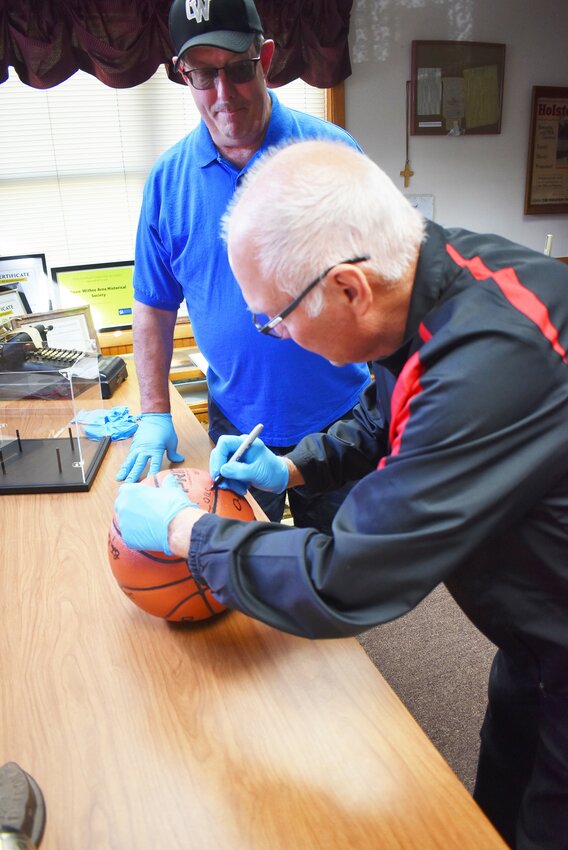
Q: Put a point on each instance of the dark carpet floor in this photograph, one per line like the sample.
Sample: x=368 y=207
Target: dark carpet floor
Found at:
x=438 y=664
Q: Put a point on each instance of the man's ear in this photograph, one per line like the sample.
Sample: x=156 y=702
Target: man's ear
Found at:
x=266 y=54
x=351 y=285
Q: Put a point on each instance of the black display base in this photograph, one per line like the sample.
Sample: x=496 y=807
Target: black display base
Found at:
x=50 y=465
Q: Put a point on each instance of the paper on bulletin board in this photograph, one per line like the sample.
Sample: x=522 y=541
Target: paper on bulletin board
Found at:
x=453 y=105
x=481 y=96
x=428 y=91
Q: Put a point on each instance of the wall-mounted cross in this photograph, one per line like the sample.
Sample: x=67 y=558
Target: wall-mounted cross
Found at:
x=407 y=173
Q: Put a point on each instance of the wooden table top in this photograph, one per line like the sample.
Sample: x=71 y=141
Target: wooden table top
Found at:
x=226 y=735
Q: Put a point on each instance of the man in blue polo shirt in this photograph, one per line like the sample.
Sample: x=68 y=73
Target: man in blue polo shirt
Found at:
x=252 y=378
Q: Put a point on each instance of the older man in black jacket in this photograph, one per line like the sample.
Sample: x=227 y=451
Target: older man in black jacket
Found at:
x=463 y=465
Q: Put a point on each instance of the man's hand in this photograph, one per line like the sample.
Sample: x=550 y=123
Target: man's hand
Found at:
x=259 y=468
x=144 y=513
x=155 y=435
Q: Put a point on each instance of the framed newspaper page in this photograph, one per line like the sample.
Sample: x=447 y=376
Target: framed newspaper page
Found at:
x=546 y=190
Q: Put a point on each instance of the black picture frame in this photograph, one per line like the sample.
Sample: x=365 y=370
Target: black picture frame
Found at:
x=96 y=284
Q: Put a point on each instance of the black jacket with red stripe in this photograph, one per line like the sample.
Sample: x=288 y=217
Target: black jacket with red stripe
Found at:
x=463 y=468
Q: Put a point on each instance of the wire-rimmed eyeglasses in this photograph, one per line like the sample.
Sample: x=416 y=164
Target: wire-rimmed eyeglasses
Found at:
x=269 y=327
x=239 y=72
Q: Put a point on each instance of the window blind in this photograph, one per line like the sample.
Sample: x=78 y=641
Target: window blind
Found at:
x=74 y=158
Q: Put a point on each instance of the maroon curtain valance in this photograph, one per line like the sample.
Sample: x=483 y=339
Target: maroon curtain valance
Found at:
x=123 y=42
x=311 y=40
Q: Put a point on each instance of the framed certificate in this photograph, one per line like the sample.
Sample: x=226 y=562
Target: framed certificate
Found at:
x=27 y=273
x=106 y=287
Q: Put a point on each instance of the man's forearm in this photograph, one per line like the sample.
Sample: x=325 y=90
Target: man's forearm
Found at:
x=181 y=526
x=179 y=531
x=153 y=348
x=295 y=478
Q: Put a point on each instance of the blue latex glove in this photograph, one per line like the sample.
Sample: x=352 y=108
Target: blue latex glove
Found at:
x=155 y=435
x=116 y=423
x=144 y=513
x=258 y=468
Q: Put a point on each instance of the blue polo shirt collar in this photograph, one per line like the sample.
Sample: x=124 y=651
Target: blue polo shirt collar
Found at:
x=205 y=150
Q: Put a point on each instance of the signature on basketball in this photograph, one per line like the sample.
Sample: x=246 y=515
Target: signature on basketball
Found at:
x=208 y=496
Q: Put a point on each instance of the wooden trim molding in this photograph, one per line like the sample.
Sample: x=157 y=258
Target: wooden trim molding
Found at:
x=335 y=104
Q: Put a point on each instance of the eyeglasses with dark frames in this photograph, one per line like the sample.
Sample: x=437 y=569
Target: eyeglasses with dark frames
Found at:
x=239 y=72
x=269 y=328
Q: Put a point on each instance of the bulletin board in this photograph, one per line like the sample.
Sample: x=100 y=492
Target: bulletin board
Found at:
x=456 y=87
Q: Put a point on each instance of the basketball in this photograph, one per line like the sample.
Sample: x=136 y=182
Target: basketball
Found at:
x=163 y=584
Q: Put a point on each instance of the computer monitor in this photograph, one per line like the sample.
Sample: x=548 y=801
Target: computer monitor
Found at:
x=105 y=287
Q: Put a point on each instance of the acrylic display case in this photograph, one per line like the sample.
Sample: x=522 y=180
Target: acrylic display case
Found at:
x=43 y=445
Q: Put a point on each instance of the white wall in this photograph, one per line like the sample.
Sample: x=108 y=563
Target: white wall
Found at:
x=478 y=182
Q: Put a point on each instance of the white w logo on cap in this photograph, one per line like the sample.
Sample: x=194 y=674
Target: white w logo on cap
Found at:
x=196 y=10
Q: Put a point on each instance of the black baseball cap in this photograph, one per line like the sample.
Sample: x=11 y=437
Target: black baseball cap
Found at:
x=228 y=24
